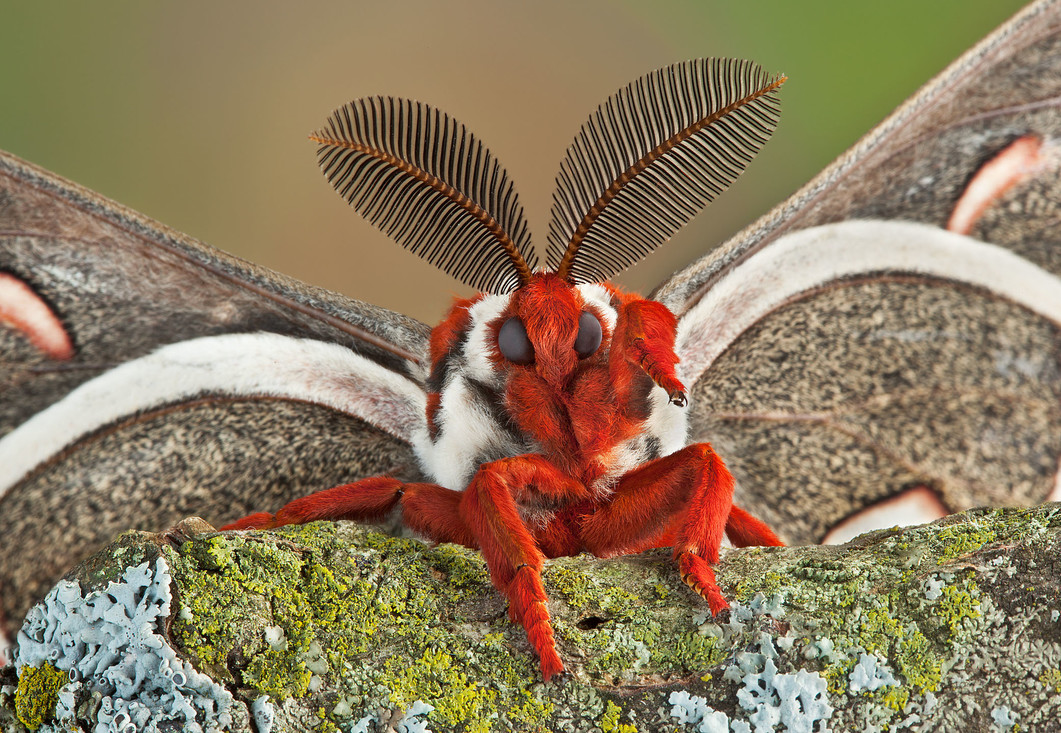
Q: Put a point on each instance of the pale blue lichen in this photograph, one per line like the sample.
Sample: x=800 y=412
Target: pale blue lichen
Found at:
x=1004 y=717
x=111 y=637
x=870 y=674
x=263 y=713
x=797 y=701
x=412 y=721
x=693 y=710
x=933 y=588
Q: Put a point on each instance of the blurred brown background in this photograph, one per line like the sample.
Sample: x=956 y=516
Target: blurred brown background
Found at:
x=196 y=113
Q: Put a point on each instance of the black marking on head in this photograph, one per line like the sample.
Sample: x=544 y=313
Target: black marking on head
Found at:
x=451 y=360
x=492 y=402
x=653 y=447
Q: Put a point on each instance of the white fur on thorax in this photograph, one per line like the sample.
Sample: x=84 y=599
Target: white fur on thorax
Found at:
x=469 y=435
x=477 y=350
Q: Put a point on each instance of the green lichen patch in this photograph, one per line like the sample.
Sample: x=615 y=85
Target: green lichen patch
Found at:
x=37 y=694
x=435 y=676
x=462 y=570
x=627 y=624
x=610 y=721
x=922 y=600
x=312 y=605
x=1051 y=680
x=386 y=622
x=963 y=539
x=962 y=535
x=959 y=606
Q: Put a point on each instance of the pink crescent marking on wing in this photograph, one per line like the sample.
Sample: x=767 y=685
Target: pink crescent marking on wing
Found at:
x=1019 y=160
x=918 y=505
x=24 y=310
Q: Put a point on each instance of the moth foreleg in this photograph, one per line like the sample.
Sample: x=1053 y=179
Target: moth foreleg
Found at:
x=644 y=335
x=684 y=498
x=490 y=507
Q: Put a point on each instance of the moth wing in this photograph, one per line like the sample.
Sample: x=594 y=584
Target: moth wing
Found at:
x=886 y=344
x=147 y=377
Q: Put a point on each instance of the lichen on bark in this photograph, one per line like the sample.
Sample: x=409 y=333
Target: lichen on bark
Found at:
x=333 y=626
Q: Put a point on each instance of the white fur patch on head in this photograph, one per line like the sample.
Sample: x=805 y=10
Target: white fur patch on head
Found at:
x=478 y=348
x=599 y=297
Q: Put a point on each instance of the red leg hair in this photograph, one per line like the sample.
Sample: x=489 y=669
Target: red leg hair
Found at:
x=490 y=509
x=686 y=497
x=654 y=502
x=744 y=530
x=368 y=500
x=428 y=509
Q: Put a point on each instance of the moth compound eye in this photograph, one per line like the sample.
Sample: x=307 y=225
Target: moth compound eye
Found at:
x=513 y=342
x=589 y=335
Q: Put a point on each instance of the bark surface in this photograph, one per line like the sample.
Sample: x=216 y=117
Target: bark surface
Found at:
x=332 y=626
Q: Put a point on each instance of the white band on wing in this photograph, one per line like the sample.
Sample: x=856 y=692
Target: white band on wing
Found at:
x=810 y=258
x=247 y=364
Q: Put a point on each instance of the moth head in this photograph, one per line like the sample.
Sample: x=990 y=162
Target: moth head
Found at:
x=651 y=157
x=552 y=328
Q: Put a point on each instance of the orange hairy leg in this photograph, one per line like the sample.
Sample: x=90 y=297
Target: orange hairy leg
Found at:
x=491 y=509
x=684 y=499
x=644 y=335
x=429 y=509
x=744 y=530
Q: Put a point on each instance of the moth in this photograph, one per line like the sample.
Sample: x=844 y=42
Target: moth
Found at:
x=551 y=423
x=887 y=337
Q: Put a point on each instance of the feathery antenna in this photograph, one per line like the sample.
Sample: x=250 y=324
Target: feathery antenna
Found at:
x=426 y=181
x=651 y=157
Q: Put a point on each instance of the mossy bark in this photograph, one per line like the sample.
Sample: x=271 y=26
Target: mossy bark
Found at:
x=345 y=628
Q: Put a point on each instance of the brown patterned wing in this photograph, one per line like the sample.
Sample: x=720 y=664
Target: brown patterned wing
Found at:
x=146 y=377
x=888 y=340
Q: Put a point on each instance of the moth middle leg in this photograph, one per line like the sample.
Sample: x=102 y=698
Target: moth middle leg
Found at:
x=428 y=509
x=685 y=500
x=491 y=509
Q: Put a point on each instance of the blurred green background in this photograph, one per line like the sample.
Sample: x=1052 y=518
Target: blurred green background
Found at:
x=196 y=113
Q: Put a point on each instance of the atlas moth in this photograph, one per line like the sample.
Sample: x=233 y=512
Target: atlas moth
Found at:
x=554 y=420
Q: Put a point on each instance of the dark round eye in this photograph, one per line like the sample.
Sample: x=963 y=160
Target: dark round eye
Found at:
x=513 y=342
x=589 y=335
